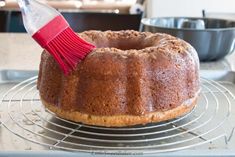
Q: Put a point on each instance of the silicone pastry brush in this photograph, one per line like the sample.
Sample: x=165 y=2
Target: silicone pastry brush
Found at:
x=52 y=32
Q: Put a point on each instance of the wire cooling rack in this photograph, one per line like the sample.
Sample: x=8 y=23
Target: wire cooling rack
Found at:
x=26 y=117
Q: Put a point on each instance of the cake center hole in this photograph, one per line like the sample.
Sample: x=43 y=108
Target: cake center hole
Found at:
x=126 y=44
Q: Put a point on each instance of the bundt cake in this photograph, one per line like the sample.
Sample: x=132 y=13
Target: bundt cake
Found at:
x=130 y=78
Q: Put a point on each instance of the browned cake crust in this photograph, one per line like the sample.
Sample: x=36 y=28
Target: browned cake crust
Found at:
x=121 y=120
x=129 y=73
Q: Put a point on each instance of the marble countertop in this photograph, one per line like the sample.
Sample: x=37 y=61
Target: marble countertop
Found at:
x=19 y=52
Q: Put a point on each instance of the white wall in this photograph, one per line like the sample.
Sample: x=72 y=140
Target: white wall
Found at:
x=159 y=8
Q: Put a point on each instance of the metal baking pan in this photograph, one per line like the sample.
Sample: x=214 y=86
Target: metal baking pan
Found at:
x=218 y=34
x=11 y=145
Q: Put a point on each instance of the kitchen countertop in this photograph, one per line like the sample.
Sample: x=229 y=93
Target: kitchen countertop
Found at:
x=19 y=52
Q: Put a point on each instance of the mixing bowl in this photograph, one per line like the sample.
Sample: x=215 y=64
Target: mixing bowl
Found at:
x=212 y=38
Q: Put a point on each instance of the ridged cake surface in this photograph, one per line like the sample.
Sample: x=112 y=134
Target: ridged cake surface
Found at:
x=130 y=78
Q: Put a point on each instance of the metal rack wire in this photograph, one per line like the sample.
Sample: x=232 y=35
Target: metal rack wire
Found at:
x=26 y=117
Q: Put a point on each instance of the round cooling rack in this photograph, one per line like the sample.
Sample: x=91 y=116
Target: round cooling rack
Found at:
x=27 y=118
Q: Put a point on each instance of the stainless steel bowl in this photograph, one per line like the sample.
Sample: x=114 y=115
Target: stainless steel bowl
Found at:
x=212 y=38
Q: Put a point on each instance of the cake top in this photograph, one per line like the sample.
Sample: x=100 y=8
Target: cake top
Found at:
x=133 y=42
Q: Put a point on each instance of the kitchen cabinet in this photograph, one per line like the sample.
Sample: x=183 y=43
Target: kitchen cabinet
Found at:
x=11 y=21
x=123 y=6
x=82 y=16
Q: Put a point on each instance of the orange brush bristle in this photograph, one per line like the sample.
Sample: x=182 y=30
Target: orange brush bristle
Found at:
x=67 y=48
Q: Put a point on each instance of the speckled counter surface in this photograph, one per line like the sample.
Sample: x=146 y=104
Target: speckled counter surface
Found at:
x=19 y=52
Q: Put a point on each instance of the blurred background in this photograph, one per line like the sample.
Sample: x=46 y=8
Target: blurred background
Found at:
x=81 y=14
x=124 y=14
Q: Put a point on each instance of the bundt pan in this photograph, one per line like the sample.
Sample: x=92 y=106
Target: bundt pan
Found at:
x=212 y=38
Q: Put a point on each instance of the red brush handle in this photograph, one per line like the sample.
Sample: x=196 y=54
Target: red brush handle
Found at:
x=48 y=32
